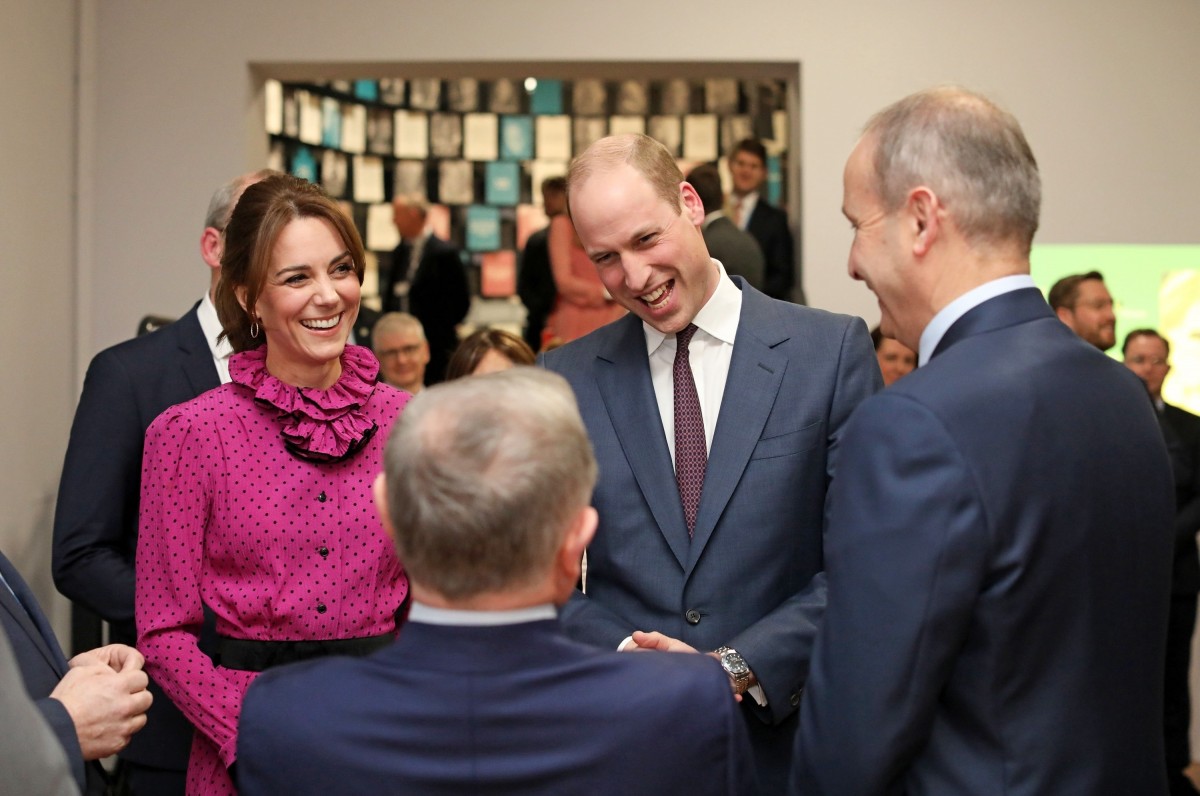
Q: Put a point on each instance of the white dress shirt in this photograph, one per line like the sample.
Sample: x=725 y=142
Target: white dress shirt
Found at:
x=457 y=617
x=211 y=326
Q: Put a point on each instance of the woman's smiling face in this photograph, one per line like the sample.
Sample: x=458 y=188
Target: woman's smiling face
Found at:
x=308 y=304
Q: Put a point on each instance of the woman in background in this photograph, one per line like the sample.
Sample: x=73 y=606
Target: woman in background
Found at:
x=256 y=496
x=896 y=360
x=583 y=305
x=487 y=351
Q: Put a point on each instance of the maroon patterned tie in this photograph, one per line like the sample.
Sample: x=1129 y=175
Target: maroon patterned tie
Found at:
x=691 y=453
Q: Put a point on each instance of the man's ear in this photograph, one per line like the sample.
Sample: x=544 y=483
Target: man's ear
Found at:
x=927 y=216
x=1066 y=315
x=693 y=208
x=211 y=247
x=379 y=490
x=569 y=558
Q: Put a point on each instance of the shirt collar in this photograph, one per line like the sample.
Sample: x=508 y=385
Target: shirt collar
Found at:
x=968 y=301
x=210 y=324
x=718 y=318
x=457 y=617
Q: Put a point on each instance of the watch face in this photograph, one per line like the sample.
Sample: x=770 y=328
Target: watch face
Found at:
x=734 y=663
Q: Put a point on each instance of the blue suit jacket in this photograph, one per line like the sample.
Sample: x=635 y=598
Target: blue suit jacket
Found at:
x=998 y=556
x=95 y=522
x=516 y=709
x=751 y=576
x=42 y=665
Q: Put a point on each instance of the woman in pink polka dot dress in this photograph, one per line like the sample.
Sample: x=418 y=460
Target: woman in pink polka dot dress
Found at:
x=256 y=496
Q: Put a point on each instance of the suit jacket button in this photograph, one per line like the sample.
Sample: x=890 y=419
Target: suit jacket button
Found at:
x=692 y=616
x=321 y=608
x=794 y=699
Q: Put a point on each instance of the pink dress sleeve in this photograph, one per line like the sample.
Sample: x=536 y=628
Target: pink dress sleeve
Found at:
x=177 y=490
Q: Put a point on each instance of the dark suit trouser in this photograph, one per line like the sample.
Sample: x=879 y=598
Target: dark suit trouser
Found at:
x=139 y=780
x=1177 y=700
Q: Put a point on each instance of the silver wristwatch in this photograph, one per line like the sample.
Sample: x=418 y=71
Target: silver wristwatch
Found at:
x=735 y=666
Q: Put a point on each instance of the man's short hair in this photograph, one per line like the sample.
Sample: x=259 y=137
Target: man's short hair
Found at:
x=397 y=322
x=1136 y=333
x=751 y=146
x=1065 y=292
x=707 y=182
x=970 y=153
x=220 y=207
x=554 y=184
x=647 y=156
x=484 y=476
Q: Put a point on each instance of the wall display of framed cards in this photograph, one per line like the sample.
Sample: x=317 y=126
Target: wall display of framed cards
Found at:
x=479 y=149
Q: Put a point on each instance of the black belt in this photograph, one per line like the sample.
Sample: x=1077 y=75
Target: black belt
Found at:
x=258 y=656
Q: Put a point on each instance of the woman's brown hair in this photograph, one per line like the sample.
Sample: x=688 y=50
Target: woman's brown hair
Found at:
x=470 y=351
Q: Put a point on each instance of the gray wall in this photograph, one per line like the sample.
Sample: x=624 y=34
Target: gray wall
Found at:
x=37 y=392
x=1106 y=91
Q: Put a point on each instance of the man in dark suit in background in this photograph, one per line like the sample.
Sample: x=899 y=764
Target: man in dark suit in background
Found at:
x=485 y=490
x=999 y=539
x=94 y=703
x=738 y=251
x=535 y=281
x=427 y=280
x=714 y=465
x=95 y=522
x=1146 y=353
x=751 y=212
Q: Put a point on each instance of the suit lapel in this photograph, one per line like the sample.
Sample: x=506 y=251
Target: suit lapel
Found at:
x=27 y=614
x=196 y=360
x=755 y=374
x=623 y=378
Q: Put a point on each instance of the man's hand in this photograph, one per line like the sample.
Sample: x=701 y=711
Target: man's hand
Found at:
x=643 y=641
x=658 y=641
x=105 y=695
x=119 y=657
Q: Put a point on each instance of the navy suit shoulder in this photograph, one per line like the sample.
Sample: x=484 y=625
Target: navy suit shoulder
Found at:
x=997 y=588
x=493 y=710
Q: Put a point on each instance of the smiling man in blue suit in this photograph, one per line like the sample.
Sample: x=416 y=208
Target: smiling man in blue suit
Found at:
x=715 y=413
x=1000 y=529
